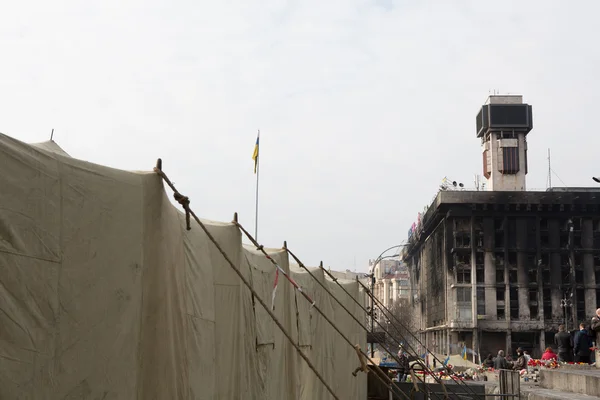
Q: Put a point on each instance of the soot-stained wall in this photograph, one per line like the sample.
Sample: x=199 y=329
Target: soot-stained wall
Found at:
x=432 y=267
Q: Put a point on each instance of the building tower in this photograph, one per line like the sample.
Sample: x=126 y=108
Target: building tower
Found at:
x=503 y=124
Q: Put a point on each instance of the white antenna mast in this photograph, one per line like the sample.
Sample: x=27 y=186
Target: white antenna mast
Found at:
x=549 y=171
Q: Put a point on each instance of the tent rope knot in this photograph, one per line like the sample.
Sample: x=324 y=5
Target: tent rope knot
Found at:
x=185 y=203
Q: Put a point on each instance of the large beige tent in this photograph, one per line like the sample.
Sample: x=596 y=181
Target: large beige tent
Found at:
x=105 y=295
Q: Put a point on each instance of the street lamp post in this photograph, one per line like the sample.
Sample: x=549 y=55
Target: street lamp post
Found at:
x=372 y=275
x=566 y=303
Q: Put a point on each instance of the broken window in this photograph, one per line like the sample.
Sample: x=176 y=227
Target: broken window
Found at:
x=463 y=295
x=564 y=239
x=462 y=258
x=499 y=224
x=544 y=239
x=580 y=293
x=499 y=239
x=546 y=276
x=499 y=259
x=500 y=293
x=531 y=233
x=579 y=275
x=577 y=240
x=543 y=224
x=500 y=278
x=480 y=301
x=462 y=240
x=463 y=274
x=533 y=303
x=500 y=275
x=463 y=303
x=512 y=276
x=547 y=303
x=512 y=233
x=514 y=303
x=480 y=274
x=532 y=275
x=479 y=236
x=500 y=312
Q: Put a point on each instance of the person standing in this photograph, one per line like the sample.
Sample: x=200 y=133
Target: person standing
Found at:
x=582 y=345
x=549 y=354
x=403 y=366
x=563 y=341
x=500 y=361
x=520 y=363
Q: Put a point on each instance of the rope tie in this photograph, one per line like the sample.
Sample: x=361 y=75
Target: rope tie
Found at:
x=185 y=203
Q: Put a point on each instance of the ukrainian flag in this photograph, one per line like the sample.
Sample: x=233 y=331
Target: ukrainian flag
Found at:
x=255 y=154
x=464 y=353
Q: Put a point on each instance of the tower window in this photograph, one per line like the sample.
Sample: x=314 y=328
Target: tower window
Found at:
x=509 y=160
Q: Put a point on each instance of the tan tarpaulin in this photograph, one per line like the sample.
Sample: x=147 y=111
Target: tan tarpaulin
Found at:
x=105 y=295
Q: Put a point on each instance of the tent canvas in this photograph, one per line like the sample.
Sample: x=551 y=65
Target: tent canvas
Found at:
x=105 y=295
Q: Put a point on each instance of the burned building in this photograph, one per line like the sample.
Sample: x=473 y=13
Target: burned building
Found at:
x=502 y=268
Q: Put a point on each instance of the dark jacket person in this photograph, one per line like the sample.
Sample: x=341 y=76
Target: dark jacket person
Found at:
x=563 y=341
x=582 y=344
x=500 y=361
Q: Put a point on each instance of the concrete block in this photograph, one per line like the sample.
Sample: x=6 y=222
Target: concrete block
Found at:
x=581 y=381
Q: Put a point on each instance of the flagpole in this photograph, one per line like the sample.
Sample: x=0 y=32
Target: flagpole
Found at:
x=256 y=200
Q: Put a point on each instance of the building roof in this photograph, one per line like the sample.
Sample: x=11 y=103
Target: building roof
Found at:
x=582 y=198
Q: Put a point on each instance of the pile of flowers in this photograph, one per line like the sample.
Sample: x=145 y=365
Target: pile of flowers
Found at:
x=551 y=363
x=543 y=363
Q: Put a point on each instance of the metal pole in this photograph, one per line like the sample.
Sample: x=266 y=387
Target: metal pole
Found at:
x=372 y=311
x=377 y=260
x=257 y=175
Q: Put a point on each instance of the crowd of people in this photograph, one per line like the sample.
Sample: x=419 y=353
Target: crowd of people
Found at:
x=578 y=348
x=501 y=362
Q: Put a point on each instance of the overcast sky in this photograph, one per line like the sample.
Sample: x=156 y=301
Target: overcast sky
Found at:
x=363 y=106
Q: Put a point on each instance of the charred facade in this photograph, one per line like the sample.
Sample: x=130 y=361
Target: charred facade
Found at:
x=491 y=269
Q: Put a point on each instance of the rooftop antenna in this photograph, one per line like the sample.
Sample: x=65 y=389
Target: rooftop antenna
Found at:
x=549 y=171
x=52 y=134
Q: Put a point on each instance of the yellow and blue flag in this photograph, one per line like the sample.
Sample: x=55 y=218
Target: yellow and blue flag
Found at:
x=464 y=353
x=255 y=154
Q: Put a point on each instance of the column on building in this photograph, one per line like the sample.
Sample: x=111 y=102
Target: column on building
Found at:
x=473 y=274
x=522 y=269
x=589 y=275
x=555 y=272
x=489 y=269
x=386 y=292
x=395 y=289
